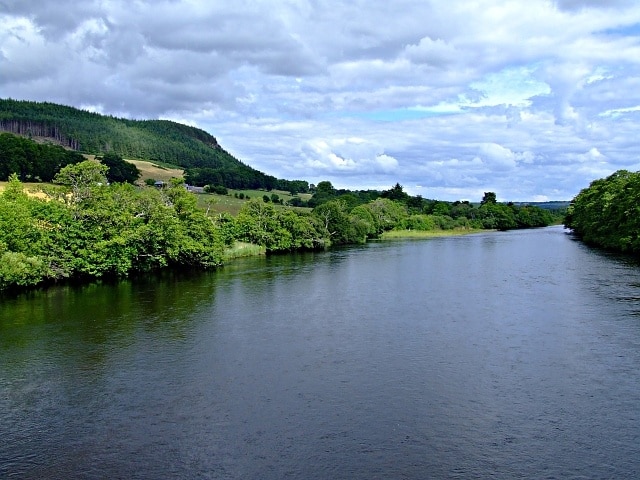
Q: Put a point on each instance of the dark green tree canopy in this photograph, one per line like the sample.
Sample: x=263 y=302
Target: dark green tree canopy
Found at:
x=120 y=171
x=396 y=193
x=31 y=161
x=607 y=213
x=489 y=198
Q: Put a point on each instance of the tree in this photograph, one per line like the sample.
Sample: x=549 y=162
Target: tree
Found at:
x=607 y=213
x=325 y=187
x=396 y=193
x=81 y=178
x=257 y=223
x=324 y=193
x=386 y=214
x=489 y=198
x=497 y=216
x=119 y=170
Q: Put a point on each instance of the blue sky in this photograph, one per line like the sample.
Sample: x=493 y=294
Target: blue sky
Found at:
x=532 y=100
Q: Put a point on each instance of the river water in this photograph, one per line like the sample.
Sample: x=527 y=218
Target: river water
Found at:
x=498 y=355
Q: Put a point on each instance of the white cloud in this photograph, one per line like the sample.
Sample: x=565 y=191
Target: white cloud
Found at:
x=435 y=53
x=530 y=99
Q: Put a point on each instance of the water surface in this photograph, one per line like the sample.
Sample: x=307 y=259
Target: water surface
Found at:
x=501 y=355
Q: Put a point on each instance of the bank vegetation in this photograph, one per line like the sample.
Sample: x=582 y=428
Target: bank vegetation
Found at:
x=607 y=213
x=84 y=227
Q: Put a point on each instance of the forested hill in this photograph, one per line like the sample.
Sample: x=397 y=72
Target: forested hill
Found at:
x=164 y=141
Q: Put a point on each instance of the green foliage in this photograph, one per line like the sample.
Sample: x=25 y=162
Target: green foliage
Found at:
x=218 y=189
x=386 y=214
x=325 y=192
x=104 y=231
x=396 y=193
x=32 y=161
x=296 y=202
x=18 y=269
x=119 y=170
x=362 y=215
x=607 y=213
x=420 y=222
x=497 y=216
x=82 y=179
x=440 y=208
x=277 y=230
x=489 y=198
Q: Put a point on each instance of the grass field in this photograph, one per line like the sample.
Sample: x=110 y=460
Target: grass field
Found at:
x=156 y=171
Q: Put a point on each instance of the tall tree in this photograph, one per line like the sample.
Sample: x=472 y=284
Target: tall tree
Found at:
x=489 y=198
x=119 y=170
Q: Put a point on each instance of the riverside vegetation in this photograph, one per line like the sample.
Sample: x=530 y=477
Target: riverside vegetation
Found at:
x=607 y=213
x=87 y=228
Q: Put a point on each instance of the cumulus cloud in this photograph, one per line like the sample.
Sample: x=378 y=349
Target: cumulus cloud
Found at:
x=436 y=53
x=450 y=99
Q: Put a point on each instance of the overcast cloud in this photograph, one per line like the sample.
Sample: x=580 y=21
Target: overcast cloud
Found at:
x=532 y=100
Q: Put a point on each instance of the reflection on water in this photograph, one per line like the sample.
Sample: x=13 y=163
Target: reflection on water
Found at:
x=503 y=355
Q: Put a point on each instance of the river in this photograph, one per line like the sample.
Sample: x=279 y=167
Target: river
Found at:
x=497 y=355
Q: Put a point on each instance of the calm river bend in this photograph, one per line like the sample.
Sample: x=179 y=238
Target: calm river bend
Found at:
x=496 y=355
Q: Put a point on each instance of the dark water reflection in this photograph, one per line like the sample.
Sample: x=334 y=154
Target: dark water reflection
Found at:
x=508 y=355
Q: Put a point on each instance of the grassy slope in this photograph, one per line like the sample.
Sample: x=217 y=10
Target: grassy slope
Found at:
x=155 y=171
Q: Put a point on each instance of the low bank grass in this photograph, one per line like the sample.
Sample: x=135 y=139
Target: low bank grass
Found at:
x=399 y=234
x=242 y=249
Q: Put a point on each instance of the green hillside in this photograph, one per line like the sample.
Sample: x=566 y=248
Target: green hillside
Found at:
x=162 y=141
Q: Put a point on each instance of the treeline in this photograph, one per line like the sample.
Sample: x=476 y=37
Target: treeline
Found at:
x=87 y=228
x=242 y=179
x=420 y=213
x=159 y=141
x=40 y=162
x=31 y=161
x=607 y=213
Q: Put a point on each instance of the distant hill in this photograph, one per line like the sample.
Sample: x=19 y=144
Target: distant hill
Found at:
x=162 y=141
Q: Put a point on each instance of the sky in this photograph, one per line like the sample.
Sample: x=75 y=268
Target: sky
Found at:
x=450 y=98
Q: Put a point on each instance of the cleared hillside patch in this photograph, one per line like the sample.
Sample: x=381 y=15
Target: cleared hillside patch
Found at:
x=156 y=171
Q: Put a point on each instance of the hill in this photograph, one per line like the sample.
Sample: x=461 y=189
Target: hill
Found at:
x=159 y=141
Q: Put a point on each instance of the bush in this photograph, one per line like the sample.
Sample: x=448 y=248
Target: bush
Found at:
x=218 y=189
x=21 y=270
